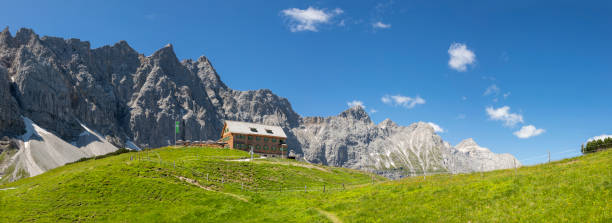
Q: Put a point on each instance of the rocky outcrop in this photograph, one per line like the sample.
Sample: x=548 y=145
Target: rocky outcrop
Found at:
x=352 y=140
x=62 y=85
x=10 y=121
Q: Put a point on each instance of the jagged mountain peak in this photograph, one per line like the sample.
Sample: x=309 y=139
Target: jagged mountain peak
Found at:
x=387 y=123
x=166 y=52
x=357 y=113
x=122 y=44
x=468 y=145
x=423 y=126
x=24 y=35
x=6 y=31
x=5 y=36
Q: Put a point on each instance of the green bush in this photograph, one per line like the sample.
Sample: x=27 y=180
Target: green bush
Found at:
x=597 y=145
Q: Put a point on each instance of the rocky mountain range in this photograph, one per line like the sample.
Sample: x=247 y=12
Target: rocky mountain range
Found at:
x=62 y=100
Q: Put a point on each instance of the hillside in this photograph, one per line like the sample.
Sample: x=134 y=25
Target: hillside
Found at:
x=169 y=185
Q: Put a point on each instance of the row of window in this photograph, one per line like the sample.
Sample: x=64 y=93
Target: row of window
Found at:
x=244 y=146
x=257 y=138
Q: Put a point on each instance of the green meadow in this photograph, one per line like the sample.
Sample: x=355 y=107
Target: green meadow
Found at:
x=218 y=185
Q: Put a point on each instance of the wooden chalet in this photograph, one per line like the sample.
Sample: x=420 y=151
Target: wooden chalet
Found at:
x=263 y=139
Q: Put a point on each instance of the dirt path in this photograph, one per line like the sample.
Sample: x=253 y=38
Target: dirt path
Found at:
x=296 y=164
x=331 y=216
x=194 y=182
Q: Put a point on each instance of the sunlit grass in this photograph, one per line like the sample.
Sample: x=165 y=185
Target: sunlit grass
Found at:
x=146 y=187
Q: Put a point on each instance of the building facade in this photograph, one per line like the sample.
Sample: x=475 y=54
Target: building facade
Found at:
x=263 y=139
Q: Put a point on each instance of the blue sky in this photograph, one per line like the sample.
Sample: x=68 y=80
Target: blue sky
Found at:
x=547 y=64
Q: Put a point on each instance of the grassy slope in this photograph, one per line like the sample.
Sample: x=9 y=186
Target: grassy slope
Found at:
x=117 y=189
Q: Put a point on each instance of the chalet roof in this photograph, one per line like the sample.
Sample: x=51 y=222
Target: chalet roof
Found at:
x=259 y=129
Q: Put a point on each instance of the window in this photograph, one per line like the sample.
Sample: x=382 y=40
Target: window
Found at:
x=253 y=130
x=273 y=140
x=250 y=137
x=280 y=141
x=265 y=147
x=258 y=147
x=257 y=138
x=269 y=131
x=265 y=139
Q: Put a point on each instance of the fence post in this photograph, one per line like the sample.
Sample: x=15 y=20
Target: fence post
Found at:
x=242 y=186
x=174 y=164
x=343 y=188
x=305 y=187
x=515 y=170
x=206 y=176
x=548 y=156
x=481 y=170
x=323 y=187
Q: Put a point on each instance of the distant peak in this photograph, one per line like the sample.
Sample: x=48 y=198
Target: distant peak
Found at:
x=24 y=35
x=356 y=112
x=387 y=123
x=122 y=43
x=166 y=52
x=468 y=145
x=468 y=141
x=5 y=35
x=203 y=59
x=422 y=125
x=6 y=30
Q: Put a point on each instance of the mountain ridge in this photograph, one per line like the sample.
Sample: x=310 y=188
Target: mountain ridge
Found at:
x=61 y=84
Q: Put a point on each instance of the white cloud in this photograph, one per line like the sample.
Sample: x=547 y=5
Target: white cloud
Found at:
x=405 y=101
x=460 y=57
x=528 y=131
x=503 y=114
x=436 y=127
x=373 y=111
x=309 y=19
x=492 y=90
x=355 y=103
x=599 y=137
x=380 y=25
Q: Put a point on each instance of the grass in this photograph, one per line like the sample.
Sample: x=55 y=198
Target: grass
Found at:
x=170 y=185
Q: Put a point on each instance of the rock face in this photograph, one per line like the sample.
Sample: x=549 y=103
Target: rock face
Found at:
x=62 y=85
x=352 y=140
